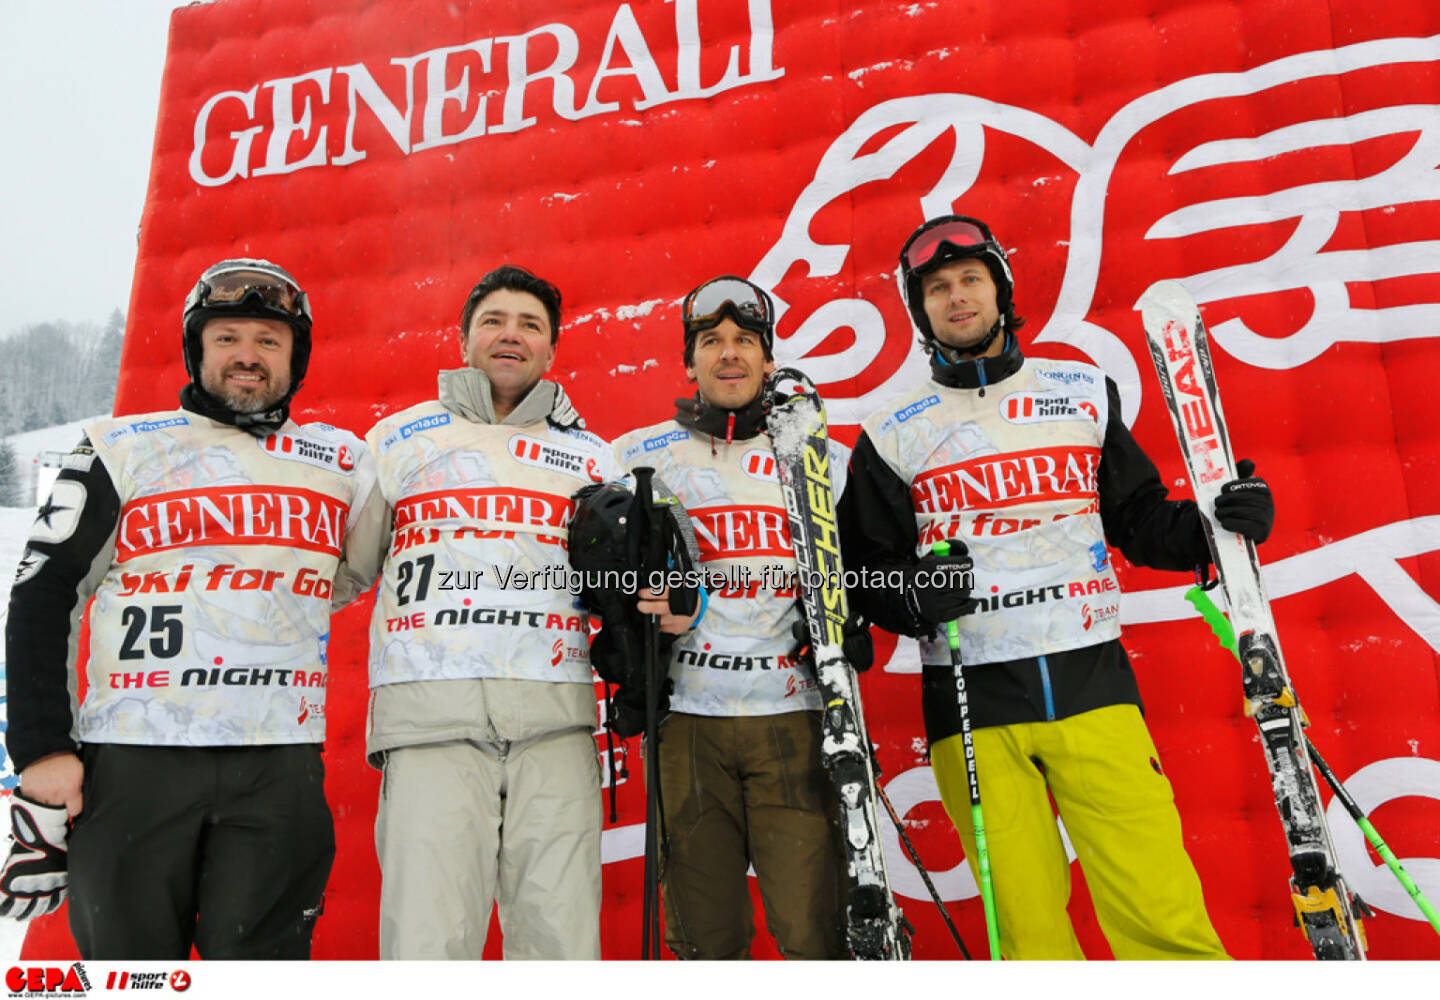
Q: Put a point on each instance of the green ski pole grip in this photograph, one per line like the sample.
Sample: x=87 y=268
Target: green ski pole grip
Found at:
x=952 y=628
x=1214 y=617
x=977 y=816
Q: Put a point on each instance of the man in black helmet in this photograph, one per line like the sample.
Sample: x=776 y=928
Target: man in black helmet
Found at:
x=212 y=539
x=739 y=756
x=1025 y=467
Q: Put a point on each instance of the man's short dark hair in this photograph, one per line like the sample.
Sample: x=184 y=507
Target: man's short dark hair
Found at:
x=516 y=279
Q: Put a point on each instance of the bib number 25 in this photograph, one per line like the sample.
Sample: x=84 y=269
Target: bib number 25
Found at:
x=162 y=625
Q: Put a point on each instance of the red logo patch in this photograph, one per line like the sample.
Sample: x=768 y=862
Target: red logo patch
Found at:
x=733 y=532
x=238 y=515
x=759 y=464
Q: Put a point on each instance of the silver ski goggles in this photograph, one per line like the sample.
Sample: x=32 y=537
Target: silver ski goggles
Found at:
x=233 y=287
x=965 y=238
x=711 y=302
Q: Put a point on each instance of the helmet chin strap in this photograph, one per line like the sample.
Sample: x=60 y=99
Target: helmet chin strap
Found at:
x=977 y=349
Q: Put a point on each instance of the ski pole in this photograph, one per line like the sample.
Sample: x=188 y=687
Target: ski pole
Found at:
x=977 y=818
x=650 y=545
x=1220 y=626
x=924 y=875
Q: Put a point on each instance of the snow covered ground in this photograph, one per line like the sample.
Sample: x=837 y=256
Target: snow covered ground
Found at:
x=14 y=529
x=30 y=446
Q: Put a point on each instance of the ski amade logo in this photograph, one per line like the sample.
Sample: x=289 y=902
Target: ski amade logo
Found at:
x=47 y=980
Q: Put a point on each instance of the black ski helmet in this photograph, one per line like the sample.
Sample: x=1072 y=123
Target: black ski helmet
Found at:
x=602 y=549
x=949 y=238
x=247 y=288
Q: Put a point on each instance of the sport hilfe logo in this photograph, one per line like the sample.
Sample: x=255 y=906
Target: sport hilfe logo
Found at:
x=759 y=464
x=179 y=980
x=1039 y=407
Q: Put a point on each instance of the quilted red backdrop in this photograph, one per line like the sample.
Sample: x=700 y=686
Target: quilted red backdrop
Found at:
x=1278 y=156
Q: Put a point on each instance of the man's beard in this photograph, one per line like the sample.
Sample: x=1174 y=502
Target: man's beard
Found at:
x=240 y=401
x=971 y=351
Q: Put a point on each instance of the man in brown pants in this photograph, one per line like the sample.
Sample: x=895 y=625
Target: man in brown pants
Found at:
x=739 y=753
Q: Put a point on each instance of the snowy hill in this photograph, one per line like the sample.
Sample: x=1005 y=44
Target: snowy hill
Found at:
x=61 y=437
x=32 y=445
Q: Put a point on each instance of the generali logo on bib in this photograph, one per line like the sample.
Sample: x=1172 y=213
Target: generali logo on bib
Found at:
x=1041 y=474
x=548 y=455
x=741 y=532
x=294 y=448
x=499 y=508
x=243 y=515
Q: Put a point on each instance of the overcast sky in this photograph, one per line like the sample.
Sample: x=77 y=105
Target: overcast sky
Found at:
x=81 y=83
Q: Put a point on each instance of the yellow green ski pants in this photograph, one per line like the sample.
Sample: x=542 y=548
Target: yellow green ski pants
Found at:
x=1102 y=768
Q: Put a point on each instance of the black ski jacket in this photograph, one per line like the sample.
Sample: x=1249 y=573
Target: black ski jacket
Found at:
x=878 y=532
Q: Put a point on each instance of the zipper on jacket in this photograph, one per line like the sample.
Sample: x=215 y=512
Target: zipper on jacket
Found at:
x=1045 y=686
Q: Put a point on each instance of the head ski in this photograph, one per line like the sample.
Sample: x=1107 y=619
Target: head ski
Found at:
x=1323 y=903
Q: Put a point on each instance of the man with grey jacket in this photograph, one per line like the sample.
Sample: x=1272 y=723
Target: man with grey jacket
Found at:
x=483 y=706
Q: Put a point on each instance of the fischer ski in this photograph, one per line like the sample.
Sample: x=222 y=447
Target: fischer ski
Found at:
x=1325 y=908
x=799 y=439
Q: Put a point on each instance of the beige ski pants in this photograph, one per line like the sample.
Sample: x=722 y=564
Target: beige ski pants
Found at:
x=462 y=826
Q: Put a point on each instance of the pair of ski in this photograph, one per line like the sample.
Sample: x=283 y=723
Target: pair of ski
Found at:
x=1326 y=909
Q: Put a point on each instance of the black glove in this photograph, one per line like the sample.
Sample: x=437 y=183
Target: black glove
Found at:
x=937 y=588
x=617 y=655
x=857 y=647
x=1246 y=505
x=34 y=880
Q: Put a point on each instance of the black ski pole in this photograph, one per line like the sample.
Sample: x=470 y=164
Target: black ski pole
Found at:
x=924 y=875
x=651 y=541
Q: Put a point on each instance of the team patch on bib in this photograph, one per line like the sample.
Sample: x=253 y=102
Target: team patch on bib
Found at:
x=142 y=427
x=905 y=413
x=1039 y=407
x=653 y=444
x=293 y=448
x=759 y=463
x=412 y=428
x=1065 y=376
x=544 y=454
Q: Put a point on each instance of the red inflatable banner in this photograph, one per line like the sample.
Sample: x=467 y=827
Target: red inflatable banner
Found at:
x=1278 y=159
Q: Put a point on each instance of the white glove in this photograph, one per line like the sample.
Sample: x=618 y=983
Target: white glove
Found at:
x=34 y=880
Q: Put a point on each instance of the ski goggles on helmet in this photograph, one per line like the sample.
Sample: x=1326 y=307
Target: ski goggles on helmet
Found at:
x=708 y=304
x=234 y=287
x=966 y=239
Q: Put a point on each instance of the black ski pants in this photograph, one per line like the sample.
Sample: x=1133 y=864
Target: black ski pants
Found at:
x=225 y=848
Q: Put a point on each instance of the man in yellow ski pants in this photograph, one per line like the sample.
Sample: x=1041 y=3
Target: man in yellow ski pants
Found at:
x=1025 y=468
